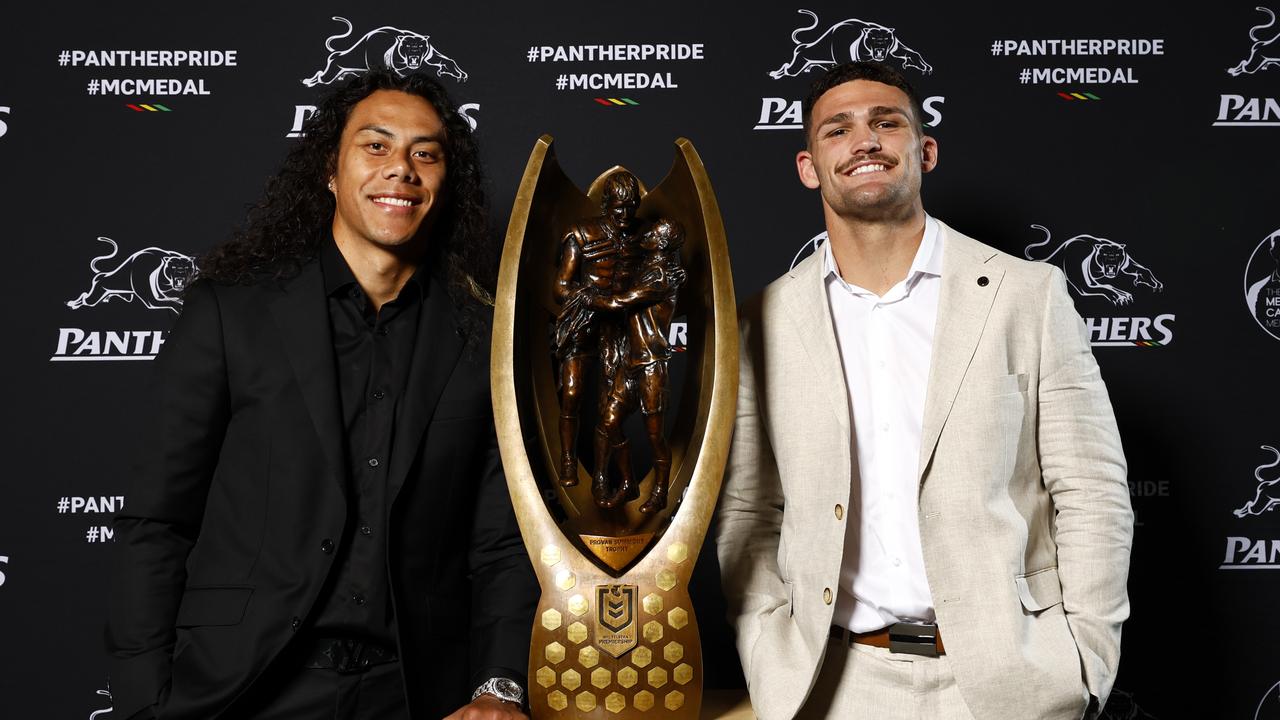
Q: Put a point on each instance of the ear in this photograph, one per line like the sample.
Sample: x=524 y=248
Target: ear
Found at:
x=928 y=153
x=808 y=173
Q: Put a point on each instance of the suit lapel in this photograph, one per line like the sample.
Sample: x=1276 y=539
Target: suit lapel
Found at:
x=435 y=353
x=302 y=315
x=805 y=299
x=963 y=307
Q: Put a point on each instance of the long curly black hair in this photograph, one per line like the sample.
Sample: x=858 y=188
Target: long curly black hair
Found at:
x=283 y=231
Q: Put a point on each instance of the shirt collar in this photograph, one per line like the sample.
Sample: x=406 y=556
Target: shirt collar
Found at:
x=337 y=274
x=928 y=259
x=338 y=277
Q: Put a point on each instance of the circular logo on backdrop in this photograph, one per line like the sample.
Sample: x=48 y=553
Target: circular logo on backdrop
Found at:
x=1262 y=284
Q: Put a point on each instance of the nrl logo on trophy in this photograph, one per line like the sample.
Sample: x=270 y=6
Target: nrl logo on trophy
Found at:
x=614 y=444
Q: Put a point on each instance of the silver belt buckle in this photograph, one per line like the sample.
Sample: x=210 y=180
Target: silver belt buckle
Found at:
x=914 y=639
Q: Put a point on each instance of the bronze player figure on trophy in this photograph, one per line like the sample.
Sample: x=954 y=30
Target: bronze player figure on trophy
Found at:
x=606 y=310
x=597 y=257
x=649 y=305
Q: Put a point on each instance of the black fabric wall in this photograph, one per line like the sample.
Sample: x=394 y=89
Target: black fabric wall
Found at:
x=1066 y=130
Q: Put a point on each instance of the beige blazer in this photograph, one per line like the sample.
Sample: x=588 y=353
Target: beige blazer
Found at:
x=1024 y=512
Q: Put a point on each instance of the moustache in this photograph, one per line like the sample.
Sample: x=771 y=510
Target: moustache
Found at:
x=844 y=167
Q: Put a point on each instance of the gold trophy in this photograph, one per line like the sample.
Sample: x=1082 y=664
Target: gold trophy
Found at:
x=584 y=355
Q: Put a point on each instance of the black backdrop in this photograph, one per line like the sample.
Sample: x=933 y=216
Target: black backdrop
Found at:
x=1176 y=164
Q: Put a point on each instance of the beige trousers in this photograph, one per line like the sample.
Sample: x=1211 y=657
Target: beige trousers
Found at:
x=870 y=682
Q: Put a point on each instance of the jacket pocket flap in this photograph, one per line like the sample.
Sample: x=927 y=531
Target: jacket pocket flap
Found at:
x=213 y=605
x=1040 y=589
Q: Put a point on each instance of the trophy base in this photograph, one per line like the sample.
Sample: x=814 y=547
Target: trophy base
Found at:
x=605 y=647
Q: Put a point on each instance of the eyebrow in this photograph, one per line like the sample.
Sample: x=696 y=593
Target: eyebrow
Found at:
x=387 y=133
x=876 y=111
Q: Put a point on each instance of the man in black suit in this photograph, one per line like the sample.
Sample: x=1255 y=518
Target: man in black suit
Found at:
x=319 y=525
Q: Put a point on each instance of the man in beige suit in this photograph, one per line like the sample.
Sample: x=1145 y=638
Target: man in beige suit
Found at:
x=925 y=513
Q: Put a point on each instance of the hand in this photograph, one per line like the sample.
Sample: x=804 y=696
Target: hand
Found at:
x=488 y=707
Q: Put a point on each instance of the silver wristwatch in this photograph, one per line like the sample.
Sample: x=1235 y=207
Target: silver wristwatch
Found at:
x=502 y=688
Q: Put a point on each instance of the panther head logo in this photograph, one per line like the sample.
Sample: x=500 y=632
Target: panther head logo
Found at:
x=878 y=41
x=177 y=271
x=1108 y=259
x=411 y=49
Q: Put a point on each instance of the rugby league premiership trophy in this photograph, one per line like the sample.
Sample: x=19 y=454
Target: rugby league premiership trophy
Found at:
x=588 y=291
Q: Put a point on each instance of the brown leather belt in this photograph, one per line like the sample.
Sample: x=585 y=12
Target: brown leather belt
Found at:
x=910 y=638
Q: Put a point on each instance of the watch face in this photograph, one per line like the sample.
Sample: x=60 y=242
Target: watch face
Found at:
x=509 y=688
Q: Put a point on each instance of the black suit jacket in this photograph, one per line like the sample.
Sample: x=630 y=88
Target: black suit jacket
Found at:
x=239 y=503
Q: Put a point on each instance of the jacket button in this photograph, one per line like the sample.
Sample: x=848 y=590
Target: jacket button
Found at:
x=826 y=595
x=839 y=511
x=295 y=623
x=326 y=546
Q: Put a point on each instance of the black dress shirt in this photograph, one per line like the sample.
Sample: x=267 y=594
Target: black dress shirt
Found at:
x=372 y=350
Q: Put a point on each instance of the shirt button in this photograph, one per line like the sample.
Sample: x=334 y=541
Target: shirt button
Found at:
x=378 y=394
x=295 y=623
x=373 y=462
x=366 y=530
x=383 y=330
x=839 y=511
x=826 y=595
x=897 y=562
x=326 y=546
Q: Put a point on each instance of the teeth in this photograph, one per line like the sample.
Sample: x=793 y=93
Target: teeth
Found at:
x=393 y=201
x=867 y=168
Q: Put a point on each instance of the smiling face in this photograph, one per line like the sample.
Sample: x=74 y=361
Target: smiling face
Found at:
x=864 y=153
x=389 y=173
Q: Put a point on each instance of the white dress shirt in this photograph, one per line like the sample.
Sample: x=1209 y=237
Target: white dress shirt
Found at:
x=885 y=344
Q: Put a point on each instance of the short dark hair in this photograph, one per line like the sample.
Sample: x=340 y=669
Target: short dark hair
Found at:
x=861 y=70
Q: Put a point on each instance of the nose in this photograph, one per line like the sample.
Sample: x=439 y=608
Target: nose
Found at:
x=399 y=165
x=866 y=140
